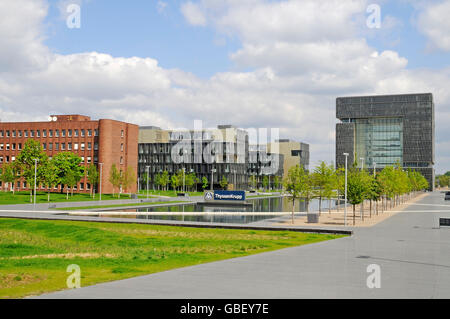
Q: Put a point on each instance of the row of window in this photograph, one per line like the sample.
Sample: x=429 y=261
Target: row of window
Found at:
x=82 y=186
x=49 y=133
x=87 y=160
x=49 y=146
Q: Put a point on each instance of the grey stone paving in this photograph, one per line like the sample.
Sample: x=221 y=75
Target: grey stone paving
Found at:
x=414 y=256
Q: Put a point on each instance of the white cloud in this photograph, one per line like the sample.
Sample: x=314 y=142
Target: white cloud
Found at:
x=161 y=6
x=434 y=22
x=193 y=14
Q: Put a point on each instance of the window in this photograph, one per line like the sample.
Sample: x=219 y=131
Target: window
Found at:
x=69 y=133
x=82 y=146
x=7 y=134
x=13 y=146
x=38 y=133
x=121 y=160
x=82 y=159
x=75 y=146
x=44 y=146
x=82 y=133
x=121 y=133
x=44 y=133
x=89 y=159
x=20 y=133
x=50 y=133
x=76 y=133
x=81 y=186
x=89 y=146
x=1 y=133
x=31 y=133
x=25 y=133
x=13 y=158
x=56 y=146
x=63 y=146
x=56 y=133
x=95 y=146
x=14 y=133
x=20 y=146
x=95 y=132
x=7 y=147
x=69 y=146
x=1 y=159
x=63 y=133
x=89 y=132
x=1 y=147
x=121 y=147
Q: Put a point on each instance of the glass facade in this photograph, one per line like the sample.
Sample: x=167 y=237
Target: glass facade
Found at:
x=379 y=140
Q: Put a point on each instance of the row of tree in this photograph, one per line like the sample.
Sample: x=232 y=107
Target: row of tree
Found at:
x=265 y=183
x=176 y=181
x=63 y=169
x=392 y=183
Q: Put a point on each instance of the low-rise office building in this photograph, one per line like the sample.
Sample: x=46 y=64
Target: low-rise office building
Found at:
x=103 y=141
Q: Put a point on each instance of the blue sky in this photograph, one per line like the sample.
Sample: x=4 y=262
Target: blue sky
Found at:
x=125 y=30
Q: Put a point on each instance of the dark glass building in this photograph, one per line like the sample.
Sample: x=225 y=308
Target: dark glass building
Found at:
x=378 y=131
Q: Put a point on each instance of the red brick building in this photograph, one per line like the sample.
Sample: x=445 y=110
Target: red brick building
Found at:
x=102 y=141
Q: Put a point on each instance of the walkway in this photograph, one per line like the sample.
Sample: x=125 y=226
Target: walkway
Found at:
x=413 y=254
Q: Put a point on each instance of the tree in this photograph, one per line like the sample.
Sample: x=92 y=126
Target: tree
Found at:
x=191 y=180
x=9 y=175
x=93 y=177
x=223 y=182
x=146 y=180
x=265 y=181
x=70 y=171
x=253 y=182
x=356 y=187
x=298 y=185
x=128 y=178
x=114 y=178
x=50 y=177
x=176 y=180
x=157 y=181
x=276 y=182
x=25 y=162
x=164 y=180
x=322 y=179
x=204 y=182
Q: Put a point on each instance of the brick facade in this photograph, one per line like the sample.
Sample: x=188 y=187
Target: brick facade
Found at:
x=102 y=141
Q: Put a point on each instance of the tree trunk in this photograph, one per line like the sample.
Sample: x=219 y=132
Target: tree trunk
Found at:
x=354 y=214
x=370 y=211
x=320 y=204
x=293 y=206
x=67 y=193
x=48 y=197
x=338 y=201
x=362 y=211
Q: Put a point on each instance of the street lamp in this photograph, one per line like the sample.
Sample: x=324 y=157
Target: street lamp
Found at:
x=345 y=201
x=148 y=175
x=184 y=178
x=213 y=170
x=362 y=162
x=35 y=178
x=374 y=169
x=101 y=171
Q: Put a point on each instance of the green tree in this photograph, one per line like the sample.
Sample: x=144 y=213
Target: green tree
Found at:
x=146 y=180
x=9 y=175
x=204 y=183
x=276 y=182
x=223 y=182
x=253 y=182
x=114 y=178
x=323 y=183
x=25 y=162
x=69 y=168
x=298 y=185
x=191 y=180
x=50 y=176
x=265 y=181
x=164 y=180
x=357 y=188
x=128 y=179
x=93 y=177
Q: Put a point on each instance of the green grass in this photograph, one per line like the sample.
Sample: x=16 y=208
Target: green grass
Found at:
x=34 y=255
x=7 y=198
x=120 y=205
x=169 y=193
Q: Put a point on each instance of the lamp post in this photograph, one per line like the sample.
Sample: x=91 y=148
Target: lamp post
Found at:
x=374 y=169
x=212 y=177
x=345 y=201
x=148 y=175
x=35 y=178
x=101 y=171
x=362 y=163
x=184 y=179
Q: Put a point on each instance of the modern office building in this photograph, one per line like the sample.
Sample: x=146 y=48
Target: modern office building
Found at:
x=232 y=156
x=104 y=142
x=377 y=131
x=210 y=153
x=294 y=153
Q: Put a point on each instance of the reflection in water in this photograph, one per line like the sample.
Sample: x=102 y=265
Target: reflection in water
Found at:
x=209 y=218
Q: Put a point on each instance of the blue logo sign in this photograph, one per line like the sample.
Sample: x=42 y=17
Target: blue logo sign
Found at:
x=229 y=195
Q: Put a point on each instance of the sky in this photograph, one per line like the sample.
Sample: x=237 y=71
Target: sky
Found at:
x=250 y=63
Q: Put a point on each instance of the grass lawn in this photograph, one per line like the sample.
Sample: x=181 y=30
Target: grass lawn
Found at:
x=7 y=198
x=120 y=205
x=169 y=193
x=34 y=255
